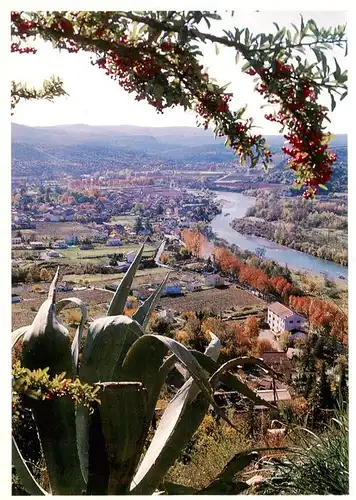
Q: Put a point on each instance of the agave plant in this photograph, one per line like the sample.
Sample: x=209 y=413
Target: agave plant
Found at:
x=104 y=450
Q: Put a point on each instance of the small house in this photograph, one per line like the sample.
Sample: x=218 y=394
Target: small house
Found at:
x=52 y=254
x=142 y=293
x=16 y=241
x=37 y=245
x=278 y=361
x=15 y=299
x=282 y=319
x=214 y=280
x=172 y=289
x=60 y=244
x=274 y=396
x=130 y=256
x=193 y=287
x=114 y=242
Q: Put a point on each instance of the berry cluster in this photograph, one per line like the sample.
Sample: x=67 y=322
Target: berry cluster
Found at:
x=210 y=105
x=15 y=47
x=301 y=114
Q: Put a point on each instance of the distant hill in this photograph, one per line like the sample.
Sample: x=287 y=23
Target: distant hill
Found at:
x=78 y=148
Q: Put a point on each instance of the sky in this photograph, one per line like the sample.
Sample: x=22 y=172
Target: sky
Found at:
x=95 y=99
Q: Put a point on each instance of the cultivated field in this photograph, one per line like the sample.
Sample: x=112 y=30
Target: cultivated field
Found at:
x=59 y=230
x=124 y=220
x=74 y=253
x=213 y=300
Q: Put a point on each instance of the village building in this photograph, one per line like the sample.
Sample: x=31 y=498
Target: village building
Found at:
x=278 y=361
x=60 y=244
x=282 y=319
x=16 y=241
x=37 y=245
x=193 y=287
x=214 y=280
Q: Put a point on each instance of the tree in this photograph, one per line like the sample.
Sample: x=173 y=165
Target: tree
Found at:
x=44 y=275
x=156 y=56
x=138 y=226
x=260 y=252
x=252 y=327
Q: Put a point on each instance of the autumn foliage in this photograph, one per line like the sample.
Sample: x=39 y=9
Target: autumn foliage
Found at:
x=321 y=314
x=195 y=242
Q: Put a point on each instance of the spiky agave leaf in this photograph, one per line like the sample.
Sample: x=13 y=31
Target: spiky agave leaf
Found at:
x=142 y=315
x=224 y=483
x=117 y=304
x=219 y=374
x=107 y=342
x=61 y=304
x=29 y=482
x=47 y=344
x=182 y=417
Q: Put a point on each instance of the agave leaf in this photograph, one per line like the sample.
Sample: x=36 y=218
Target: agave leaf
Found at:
x=142 y=315
x=151 y=342
x=223 y=483
x=107 y=343
x=117 y=304
x=230 y=380
x=79 y=333
x=123 y=411
x=178 y=489
x=178 y=423
x=17 y=334
x=28 y=481
x=47 y=344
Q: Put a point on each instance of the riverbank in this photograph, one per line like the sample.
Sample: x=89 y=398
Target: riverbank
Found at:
x=237 y=206
x=303 y=240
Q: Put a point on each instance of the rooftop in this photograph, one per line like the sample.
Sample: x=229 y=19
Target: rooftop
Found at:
x=281 y=310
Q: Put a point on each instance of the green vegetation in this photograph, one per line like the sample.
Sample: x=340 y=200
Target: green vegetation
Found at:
x=319 y=466
x=74 y=253
x=318 y=228
x=101 y=400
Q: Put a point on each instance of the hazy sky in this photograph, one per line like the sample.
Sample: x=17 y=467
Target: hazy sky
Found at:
x=97 y=100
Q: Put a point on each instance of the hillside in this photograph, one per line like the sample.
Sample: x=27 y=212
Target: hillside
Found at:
x=84 y=148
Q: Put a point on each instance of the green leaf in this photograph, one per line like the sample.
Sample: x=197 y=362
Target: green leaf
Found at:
x=27 y=479
x=123 y=411
x=178 y=489
x=343 y=95
x=237 y=57
x=107 y=343
x=323 y=187
x=217 y=51
x=333 y=102
x=180 y=420
x=17 y=334
x=224 y=484
x=142 y=315
x=218 y=374
x=337 y=73
x=245 y=67
x=117 y=304
x=79 y=333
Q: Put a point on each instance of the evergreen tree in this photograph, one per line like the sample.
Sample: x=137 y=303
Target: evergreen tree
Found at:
x=138 y=226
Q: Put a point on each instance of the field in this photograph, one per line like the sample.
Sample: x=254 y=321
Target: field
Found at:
x=142 y=276
x=59 y=230
x=124 y=220
x=24 y=313
x=74 y=253
x=213 y=300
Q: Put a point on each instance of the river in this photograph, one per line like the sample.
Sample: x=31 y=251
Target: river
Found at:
x=234 y=207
